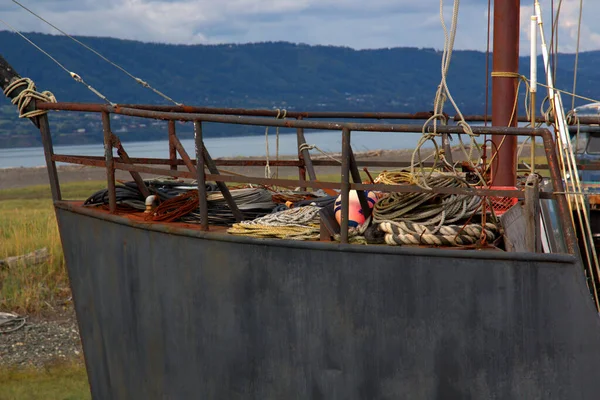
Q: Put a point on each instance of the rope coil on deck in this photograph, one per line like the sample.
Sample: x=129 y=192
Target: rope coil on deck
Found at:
x=300 y=223
x=425 y=208
x=403 y=233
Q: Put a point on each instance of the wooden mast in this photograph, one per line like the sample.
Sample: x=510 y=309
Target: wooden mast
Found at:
x=504 y=89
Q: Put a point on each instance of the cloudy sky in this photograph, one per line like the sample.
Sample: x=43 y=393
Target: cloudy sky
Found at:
x=355 y=23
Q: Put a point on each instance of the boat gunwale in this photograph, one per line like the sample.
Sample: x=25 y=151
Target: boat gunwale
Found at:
x=554 y=259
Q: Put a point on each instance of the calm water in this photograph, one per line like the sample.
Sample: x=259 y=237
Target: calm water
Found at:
x=222 y=147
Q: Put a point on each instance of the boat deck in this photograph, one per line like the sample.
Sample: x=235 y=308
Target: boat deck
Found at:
x=140 y=219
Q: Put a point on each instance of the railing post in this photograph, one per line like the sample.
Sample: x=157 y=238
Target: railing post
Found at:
x=172 y=148
x=200 y=161
x=302 y=166
x=48 y=153
x=306 y=160
x=110 y=164
x=345 y=184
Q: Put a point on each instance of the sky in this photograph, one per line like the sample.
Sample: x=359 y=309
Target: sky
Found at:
x=359 y=24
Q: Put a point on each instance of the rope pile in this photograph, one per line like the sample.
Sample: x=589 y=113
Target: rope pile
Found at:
x=252 y=202
x=428 y=218
x=404 y=233
x=301 y=223
x=425 y=208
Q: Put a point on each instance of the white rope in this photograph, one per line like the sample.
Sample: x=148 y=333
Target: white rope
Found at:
x=299 y=216
x=308 y=147
x=449 y=235
x=138 y=80
x=23 y=99
x=442 y=95
x=268 y=166
x=73 y=75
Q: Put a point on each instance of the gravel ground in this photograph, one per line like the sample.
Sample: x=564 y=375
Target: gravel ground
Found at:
x=41 y=341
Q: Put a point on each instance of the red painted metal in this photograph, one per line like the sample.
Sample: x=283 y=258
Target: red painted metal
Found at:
x=504 y=89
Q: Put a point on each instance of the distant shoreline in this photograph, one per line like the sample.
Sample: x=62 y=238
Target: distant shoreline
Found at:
x=12 y=178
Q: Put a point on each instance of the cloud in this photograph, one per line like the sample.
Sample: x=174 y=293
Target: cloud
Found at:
x=353 y=23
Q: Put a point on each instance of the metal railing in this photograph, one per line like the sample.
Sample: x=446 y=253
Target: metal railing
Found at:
x=350 y=176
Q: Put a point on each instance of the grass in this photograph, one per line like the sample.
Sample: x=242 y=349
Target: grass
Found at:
x=27 y=223
x=64 y=381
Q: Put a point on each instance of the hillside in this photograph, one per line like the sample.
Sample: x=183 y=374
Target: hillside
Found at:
x=258 y=75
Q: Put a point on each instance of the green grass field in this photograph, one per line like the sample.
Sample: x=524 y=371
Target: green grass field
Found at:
x=67 y=381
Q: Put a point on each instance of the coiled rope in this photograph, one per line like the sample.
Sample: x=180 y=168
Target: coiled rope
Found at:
x=426 y=208
x=403 y=233
x=301 y=223
x=23 y=99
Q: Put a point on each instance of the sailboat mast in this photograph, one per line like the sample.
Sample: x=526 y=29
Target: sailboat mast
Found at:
x=504 y=88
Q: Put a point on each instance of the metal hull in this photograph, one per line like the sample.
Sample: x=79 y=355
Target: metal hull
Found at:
x=180 y=314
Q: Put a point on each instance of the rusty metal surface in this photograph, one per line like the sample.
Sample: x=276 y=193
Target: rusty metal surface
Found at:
x=288 y=123
x=504 y=89
x=172 y=149
x=201 y=179
x=125 y=157
x=173 y=313
x=345 y=185
x=48 y=153
x=262 y=162
x=97 y=107
x=109 y=162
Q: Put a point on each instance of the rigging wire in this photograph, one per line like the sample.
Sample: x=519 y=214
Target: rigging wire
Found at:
x=554 y=39
x=576 y=55
x=73 y=75
x=138 y=80
x=487 y=81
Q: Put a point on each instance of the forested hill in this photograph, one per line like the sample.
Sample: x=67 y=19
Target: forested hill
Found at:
x=258 y=75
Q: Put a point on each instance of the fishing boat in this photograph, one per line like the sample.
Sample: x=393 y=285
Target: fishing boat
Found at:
x=172 y=302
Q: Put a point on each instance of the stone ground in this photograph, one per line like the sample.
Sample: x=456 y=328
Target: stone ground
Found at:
x=42 y=340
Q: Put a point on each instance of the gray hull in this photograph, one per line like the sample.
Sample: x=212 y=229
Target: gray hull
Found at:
x=167 y=313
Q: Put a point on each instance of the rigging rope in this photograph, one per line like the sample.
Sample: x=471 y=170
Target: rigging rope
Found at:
x=306 y=146
x=23 y=99
x=268 y=166
x=577 y=54
x=73 y=75
x=138 y=80
x=442 y=95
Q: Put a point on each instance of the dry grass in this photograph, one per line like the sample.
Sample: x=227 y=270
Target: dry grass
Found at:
x=27 y=223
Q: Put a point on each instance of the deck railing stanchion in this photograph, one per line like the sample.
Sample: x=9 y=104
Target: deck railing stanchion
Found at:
x=345 y=184
x=110 y=164
x=172 y=148
x=48 y=154
x=304 y=155
x=200 y=161
x=212 y=168
x=362 y=196
x=116 y=142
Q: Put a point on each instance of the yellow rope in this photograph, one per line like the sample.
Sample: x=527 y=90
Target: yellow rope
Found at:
x=23 y=99
x=282 y=232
